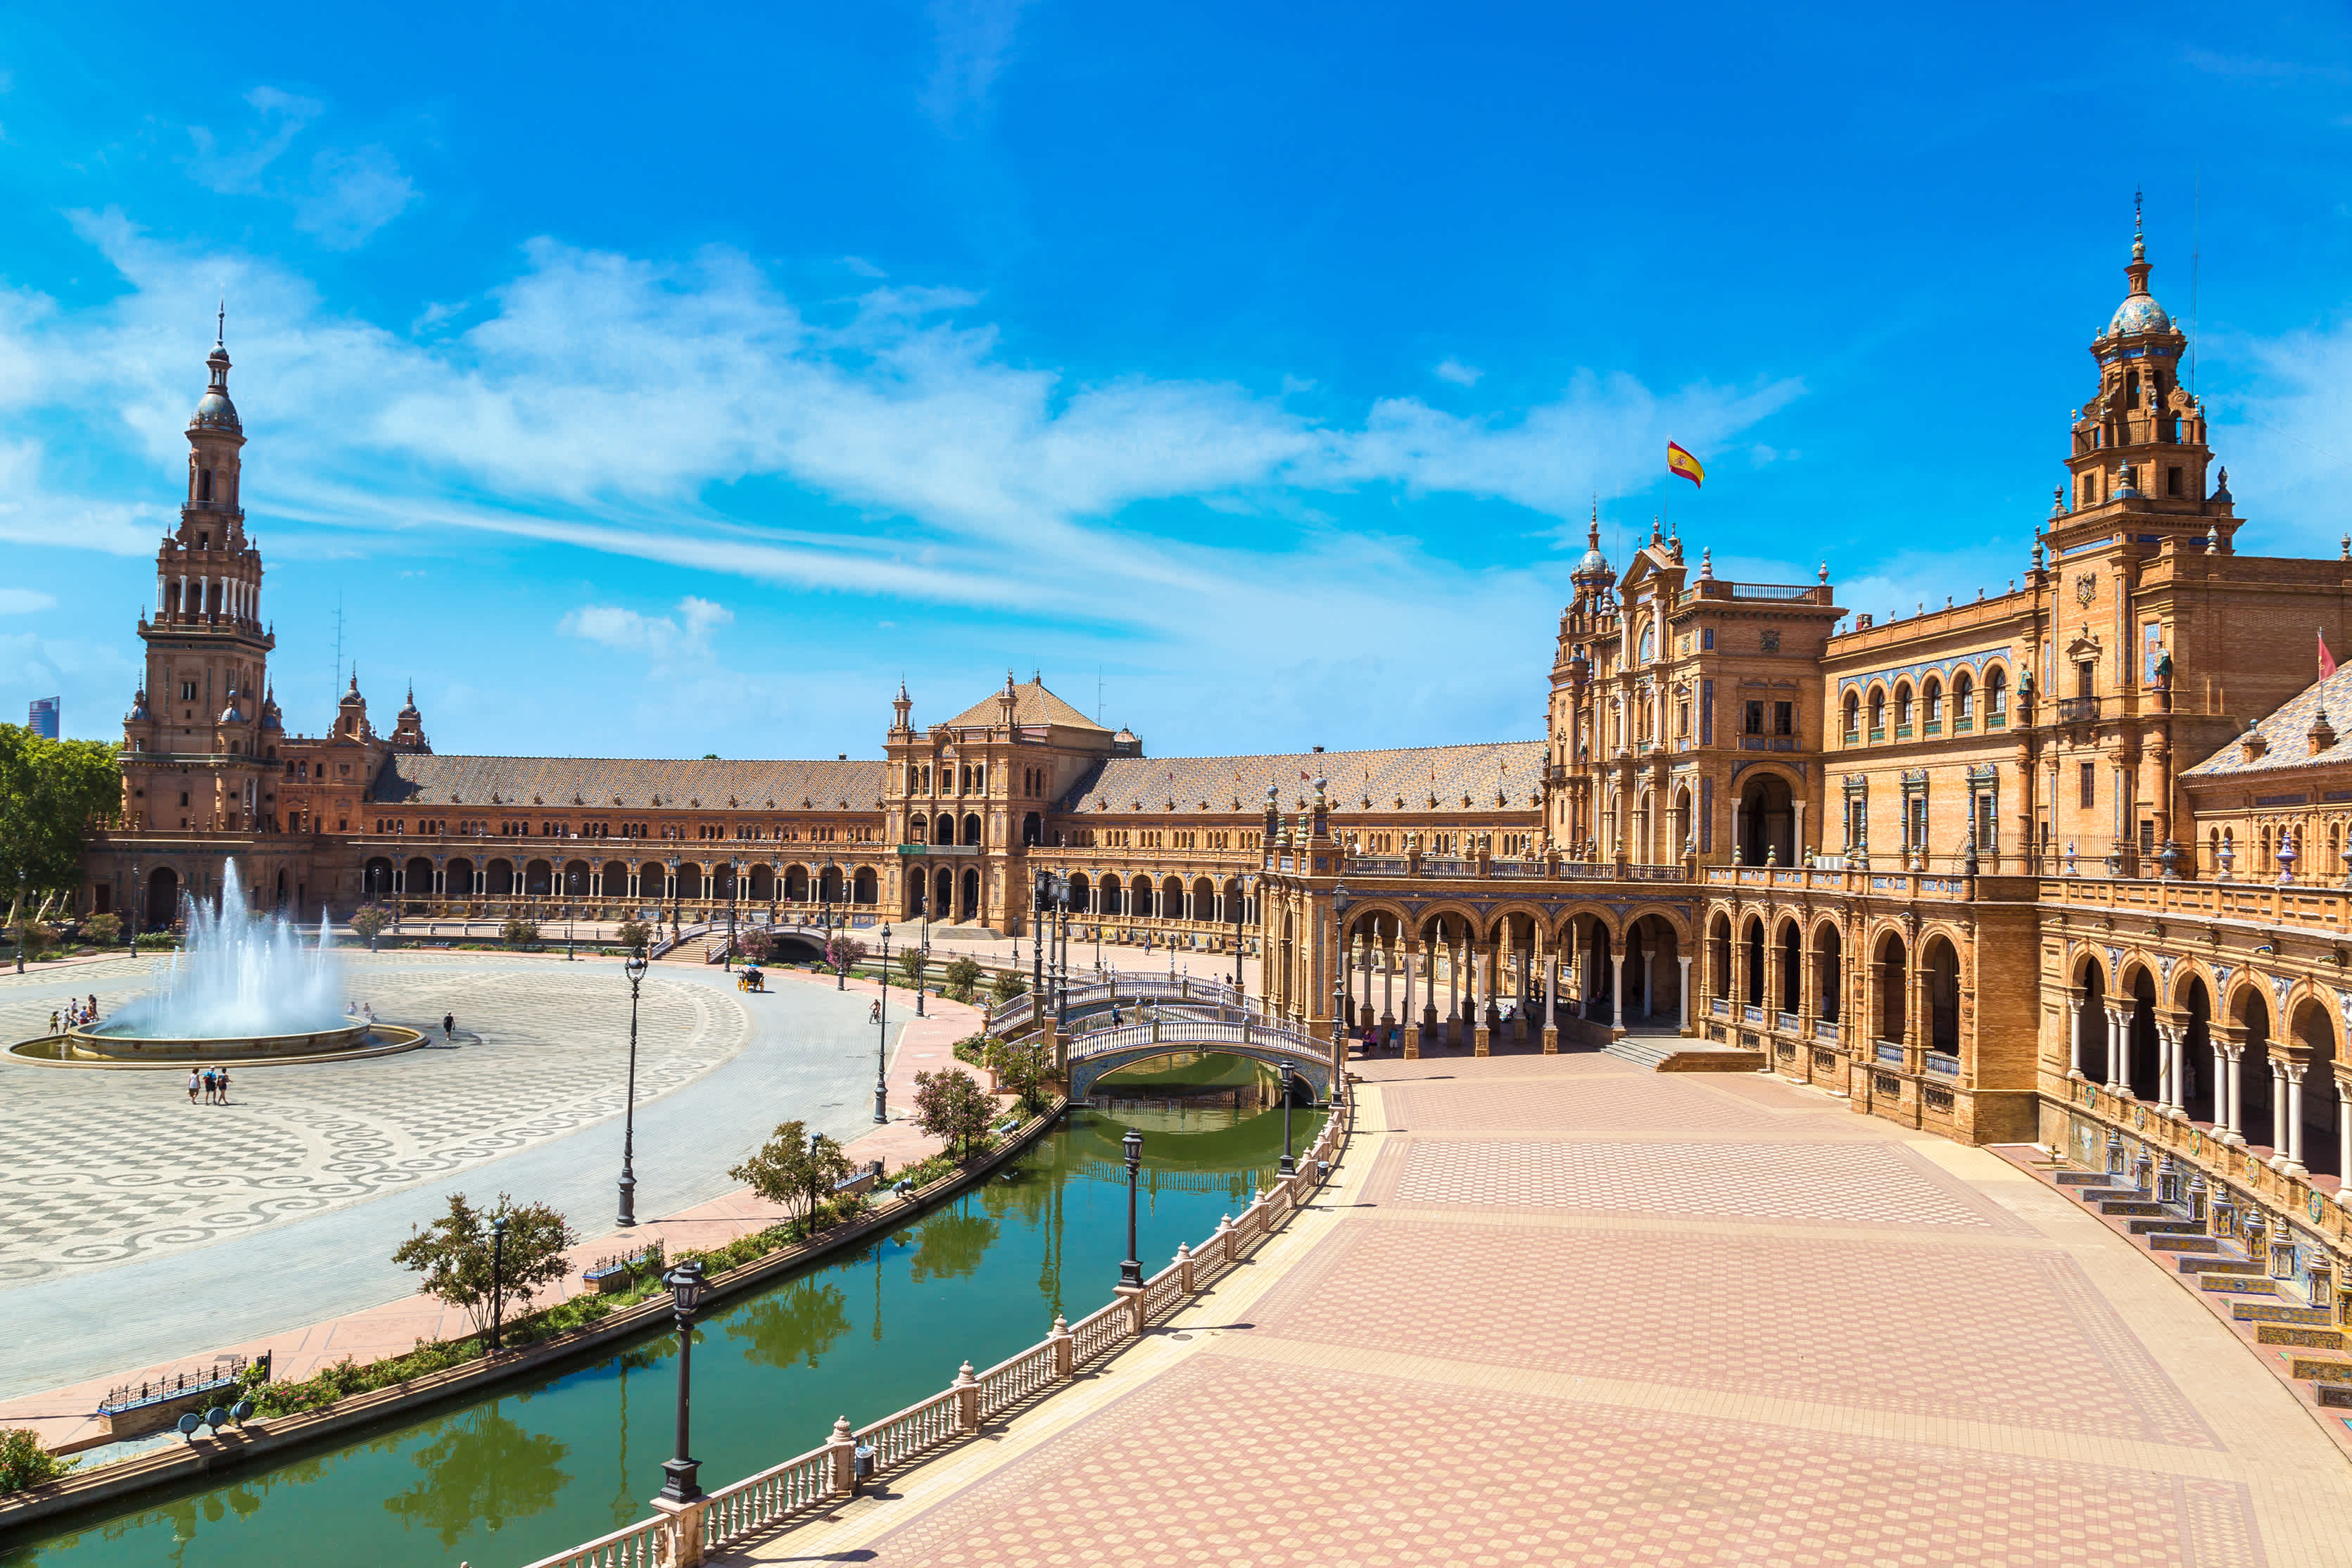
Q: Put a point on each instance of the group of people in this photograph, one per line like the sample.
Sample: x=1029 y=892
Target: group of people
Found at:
x=213 y=1082
x=361 y=1012
x=74 y=1015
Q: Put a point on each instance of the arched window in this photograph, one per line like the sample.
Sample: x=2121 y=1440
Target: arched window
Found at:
x=1877 y=714
x=1964 y=698
x=1932 y=694
x=1649 y=643
x=1996 y=697
x=1853 y=717
x=205 y=484
x=2131 y=389
x=1902 y=706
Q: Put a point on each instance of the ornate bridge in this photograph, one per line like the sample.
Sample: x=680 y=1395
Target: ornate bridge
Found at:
x=1127 y=993
x=1101 y=1051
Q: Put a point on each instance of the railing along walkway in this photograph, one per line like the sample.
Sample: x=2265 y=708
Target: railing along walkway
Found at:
x=830 y=1471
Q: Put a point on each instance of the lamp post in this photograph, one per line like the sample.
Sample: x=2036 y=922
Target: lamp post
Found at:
x=573 y=877
x=924 y=964
x=1339 y=965
x=1040 y=889
x=1131 y=1270
x=685 y=1283
x=498 y=1277
x=673 y=898
x=733 y=873
x=882 y=1041
x=20 y=920
x=1288 y=1165
x=1241 y=901
x=635 y=969
x=138 y=899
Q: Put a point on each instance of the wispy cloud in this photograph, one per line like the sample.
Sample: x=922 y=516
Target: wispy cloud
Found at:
x=24 y=601
x=1460 y=375
x=684 y=634
x=972 y=39
x=346 y=194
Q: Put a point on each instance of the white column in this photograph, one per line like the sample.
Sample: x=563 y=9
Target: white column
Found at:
x=1452 y=981
x=1551 y=990
x=2164 y=1049
x=1388 y=986
x=2119 y=1048
x=1649 y=984
x=2294 y=1072
x=1797 y=846
x=1410 y=1015
x=1617 y=998
x=2073 y=1033
x=2278 y=1106
x=2343 y=1139
x=1683 y=991
x=2234 y=1102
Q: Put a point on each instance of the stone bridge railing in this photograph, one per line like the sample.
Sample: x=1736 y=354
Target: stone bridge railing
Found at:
x=1100 y=1051
x=821 y=1479
x=1120 y=989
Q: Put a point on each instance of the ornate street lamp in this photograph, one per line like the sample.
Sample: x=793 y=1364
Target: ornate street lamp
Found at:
x=136 y=906
x=882 y=1041
x=673 y=898
x=1287 y=1165
x=733 y=874
x=841 y=951
x=568 y=954
x=686 y=1287
x=635 y=969
x=1339 y=901
x=20 y=920
x=924 y=966
x=1131 y=1271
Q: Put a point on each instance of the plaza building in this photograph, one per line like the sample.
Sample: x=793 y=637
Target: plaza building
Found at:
x=2066 y=863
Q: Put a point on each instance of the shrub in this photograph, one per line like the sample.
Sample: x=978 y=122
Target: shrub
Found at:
x=369 y=921
x=844 y=952
x=951 y=1106
x=24 y=1463
x=518 y=932
x=104 y=930
x=1009 y=982
x=635 y=935
x=793 y=1169
x=156 y=942
x=961 y=976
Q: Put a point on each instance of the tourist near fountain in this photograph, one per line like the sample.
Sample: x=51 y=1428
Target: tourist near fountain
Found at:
x=246 y=987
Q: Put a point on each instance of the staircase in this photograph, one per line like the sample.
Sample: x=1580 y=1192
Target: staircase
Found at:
x=2260 y=1308
x=1645 y=1051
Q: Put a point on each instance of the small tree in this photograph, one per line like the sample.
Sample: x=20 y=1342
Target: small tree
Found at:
x=795 y=1170
x=368 y=921
x=844 y=952
x=1009 y=982
x=911 y=963
x=24 y=1463
x=104 y=930
x=456 y=1254
x=519 y=932
x=635 y=935
x=961 y=976
x=1020 y=1067
x=951 y=1106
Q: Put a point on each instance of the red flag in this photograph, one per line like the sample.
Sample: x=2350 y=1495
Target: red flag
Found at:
x=2326 y=663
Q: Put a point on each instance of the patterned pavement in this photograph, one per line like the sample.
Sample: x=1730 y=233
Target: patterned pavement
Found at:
x=1558 y=1310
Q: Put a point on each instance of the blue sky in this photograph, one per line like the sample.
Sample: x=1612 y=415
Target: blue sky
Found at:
x=661 y=382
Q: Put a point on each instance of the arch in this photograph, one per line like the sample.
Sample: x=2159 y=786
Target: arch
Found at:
x=1653 y=970
x=2197 y=1048
x=759 y=884
x=417 y=877
x=1205 y=898
x=457 y=878
x=1081 y=886
x=829 y=884
x=2143 y=1057
x=1752 y=939
x=971 y=828
x=1891 y=961
x=1939 y=976
x=1718 y=955
x=796 y=884
x=1829 y=970
x=2250 y=1012
x=1032 y=828
x=575 y=883
x=943 y=831
x=2093 y=978
x=970 y=909
x=1902 y=703
x=1853 y=715
x=614 y=880
x=1996 y=695
x=1877 y=712
x=537 y=877
x=1171 y=898
x=1789 y=955
x=943 y=885
x=690 y=879
x=918 y=829
x=1931 y=700
x=864 y=886
x=1139 y=896
x=498 y=877
x=2314 y=1033
x=1964 y=695
x=1767 y=820
x=164 y=897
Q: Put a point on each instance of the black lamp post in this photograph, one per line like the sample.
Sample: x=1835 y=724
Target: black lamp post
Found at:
x=1131 y=1271
x=1038 y=892
x=1241 y=903
x=733 y=872
x=925 y=964
x=498 y=1277
x=1338 y=963
x=20 y=920
x=673 y=897
x=1288 y=1165
x=635 y=969
x=882 y=1041
x=137 y=910
x=574 y=878
x=685 y=1283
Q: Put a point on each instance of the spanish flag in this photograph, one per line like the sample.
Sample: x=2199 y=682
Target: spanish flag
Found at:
x=1681 y=462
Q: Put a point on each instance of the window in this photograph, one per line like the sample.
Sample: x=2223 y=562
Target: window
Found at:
x=1902 y=707
x=2090 y=489
x=2090 y=771
x=1964 y=697
x=2085 y=678
x=1996 y=696
x=1649 y=645
x=1682 y=719
x=1784 y=718
x=187 y=691
x=1934 y=695
x=1755 y=718
x=1706 y=638
x=1853 y=718
x=1878 y=715
x=2172 y=481
x=205 y=485
x=2131 y=389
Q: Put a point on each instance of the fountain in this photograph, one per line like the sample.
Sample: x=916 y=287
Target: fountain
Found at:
x=246 y=988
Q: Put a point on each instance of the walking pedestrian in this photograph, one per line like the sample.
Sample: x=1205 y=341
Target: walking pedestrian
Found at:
x=195 y=1082
x=223 y=1085
x=874 y=1014
x=449 y=1026
x=53 y=1020
x=90 y=1015
x=211 y=1085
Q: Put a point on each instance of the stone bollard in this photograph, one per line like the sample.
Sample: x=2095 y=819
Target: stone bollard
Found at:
x=1184 y=1267
x=1552 y=1039
x=1223 y=1241
x=1065 y=1346
x=686 y=1527
x=1412 y=1042
x=1133 y=1297
x=843 y=1449
x=967 y=1392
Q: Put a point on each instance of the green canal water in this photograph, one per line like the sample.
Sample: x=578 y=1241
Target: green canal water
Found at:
x=549 y=1463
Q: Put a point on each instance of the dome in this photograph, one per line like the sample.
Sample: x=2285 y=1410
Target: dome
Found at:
x=215 y=412
x=1594 y=561
x=2138 y=313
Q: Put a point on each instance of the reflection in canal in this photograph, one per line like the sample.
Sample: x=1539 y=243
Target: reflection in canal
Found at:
x=546 y=1465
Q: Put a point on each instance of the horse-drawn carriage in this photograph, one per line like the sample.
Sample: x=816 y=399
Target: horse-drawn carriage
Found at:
x=750 y=979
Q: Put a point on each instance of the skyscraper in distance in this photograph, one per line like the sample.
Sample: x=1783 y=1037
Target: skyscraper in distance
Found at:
x=43 y=720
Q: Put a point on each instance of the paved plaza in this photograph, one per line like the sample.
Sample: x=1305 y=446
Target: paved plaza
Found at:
x=139 y=1227
x=1564 y=1310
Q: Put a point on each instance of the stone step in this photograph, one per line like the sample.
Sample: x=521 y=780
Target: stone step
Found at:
x=2265 y=1312
x=2222 y=1266
x=1640 y=1052
x=2335 y=1396
x=2170 y=1224
x=2081 y=1178
x=2183 y=1241
x=2104 y=1196
x=2131 y=1206
x=2319 y=1368
x=2289 y=1334
x=2237 y=1284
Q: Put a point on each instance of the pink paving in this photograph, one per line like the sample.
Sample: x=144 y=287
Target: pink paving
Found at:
x=1559 y=1311
x=62 y=1416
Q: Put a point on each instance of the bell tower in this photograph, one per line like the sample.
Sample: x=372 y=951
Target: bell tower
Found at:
x=201 y=718
x=2138 y=449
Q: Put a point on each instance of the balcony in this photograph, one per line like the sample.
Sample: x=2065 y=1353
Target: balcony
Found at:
x=1963 y=724
x=1902 y=732
x=2077 y=709
x=1853 y=737
x=1932 y=727
x=1997 y=721
x=1878 y=732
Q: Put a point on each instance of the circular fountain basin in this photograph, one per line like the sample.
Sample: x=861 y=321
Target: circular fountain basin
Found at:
x=96 y=1047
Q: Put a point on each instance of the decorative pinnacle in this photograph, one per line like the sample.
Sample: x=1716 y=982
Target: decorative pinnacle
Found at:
x=220 y=325
x=2139 y=240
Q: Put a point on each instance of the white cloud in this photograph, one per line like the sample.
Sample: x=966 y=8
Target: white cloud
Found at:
x=972 y=39
x=1460 y=375
x=352 y=195
x=350 y=192
x=24 y=601
x=684 y=634
x=2285 y=434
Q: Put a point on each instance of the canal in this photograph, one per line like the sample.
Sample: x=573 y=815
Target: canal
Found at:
x=550 y=1462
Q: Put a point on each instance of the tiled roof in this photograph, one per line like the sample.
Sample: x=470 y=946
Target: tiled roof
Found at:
x=627 y=783
x=1032 y=704
x=2287 y=733
x=1360 y=782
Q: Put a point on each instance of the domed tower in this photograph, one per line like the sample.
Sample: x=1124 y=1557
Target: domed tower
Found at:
x=198 y=717
x=408 y=726
x=2138 y=445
